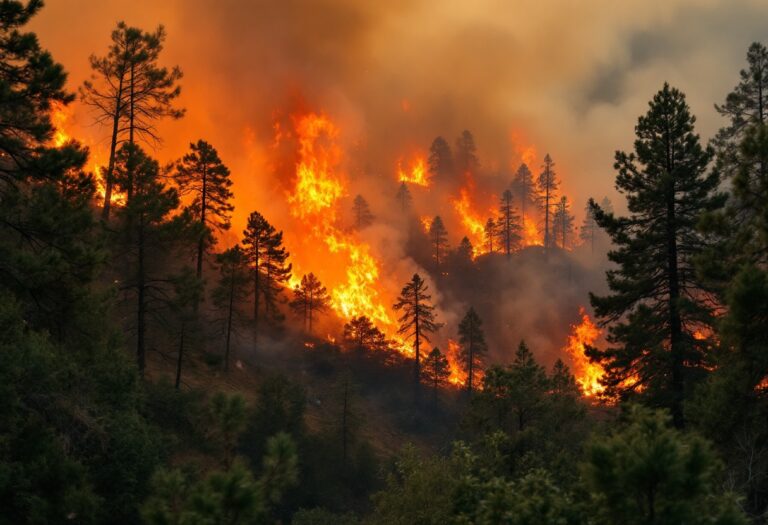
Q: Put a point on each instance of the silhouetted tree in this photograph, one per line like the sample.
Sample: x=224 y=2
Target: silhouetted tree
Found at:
x=473 y=346
x=440 y=159
x=362 y=333
x=438 y=236
x=403 y=197
x=466 y=153
x=202 y=174
x=149 y=229
x=361 y=213
x=657 y=301
x=490 y=233
x=524 y=187
x=134 y=91
x=746 y=106
x=418 y=317
x=509 y=224
x=547 y=193
x=268 y=262
x=437 y=370
x=187 y=290
x=310 y=297
x=562 y=222
x=464 y=253
x=230 y=292
x=589 y=229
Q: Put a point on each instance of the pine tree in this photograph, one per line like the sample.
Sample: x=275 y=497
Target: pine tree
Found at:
x=647 y=472
x=202 y=174
x=464 y=253
x=524 y=187
x=589 y=229
x=490 y=233
x=418 y=317
x=466 y=153
x=745 y=107
x=361 y=213
x=187 y=290
x=509 y=224
x=230 y=293
x=361 y=333
x=130 y=91
x=268 y=262
x=403 y=197
x=562 y=222
x=438 y=236
x=547 y=193
x=440 y=159
x=149 y=229
x=656 y=301
x=310 y=297
x=48 y=253
x=437 y=370
x=473 y=346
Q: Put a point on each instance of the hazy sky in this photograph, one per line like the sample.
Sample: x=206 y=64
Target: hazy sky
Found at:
x=569 y=77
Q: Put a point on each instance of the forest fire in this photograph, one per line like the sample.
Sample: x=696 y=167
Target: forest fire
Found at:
x=473 y=223
x=315 y=199
x=530 y=232
x=458 y=377
x=587 y=374
x=59 y=116
x=415 y=174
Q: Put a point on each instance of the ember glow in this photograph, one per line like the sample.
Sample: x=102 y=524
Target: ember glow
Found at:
x=587 y=374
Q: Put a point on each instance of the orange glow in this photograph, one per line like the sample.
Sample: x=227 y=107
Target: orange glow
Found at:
x=473 y=222
x=458 y=377
x=59 y=116
x=349 y=270
x=426 y=222
x=531 y=235
x=587 y=374
x=524 y=151
x=416 y=173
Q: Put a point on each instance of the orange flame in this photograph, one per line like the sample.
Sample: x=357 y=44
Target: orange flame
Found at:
x=473 y=223
x=587 y=374
x=426 y=222
x=458 y=377
x=416 y=174
x=59 y=116
x=531 y=235
x=351 y=273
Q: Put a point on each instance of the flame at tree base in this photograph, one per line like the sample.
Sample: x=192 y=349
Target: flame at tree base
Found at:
x=587 y=373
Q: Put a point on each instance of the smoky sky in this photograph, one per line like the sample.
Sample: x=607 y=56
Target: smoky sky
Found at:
x=569 y=78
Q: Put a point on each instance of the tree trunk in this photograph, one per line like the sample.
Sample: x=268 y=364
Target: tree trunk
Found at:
x=675 y=323
x=344 y=427
x=201 y=243
x=141 y=309
x=229 y=321
x=546 y=215
x=180 y=357
x=112 y=152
